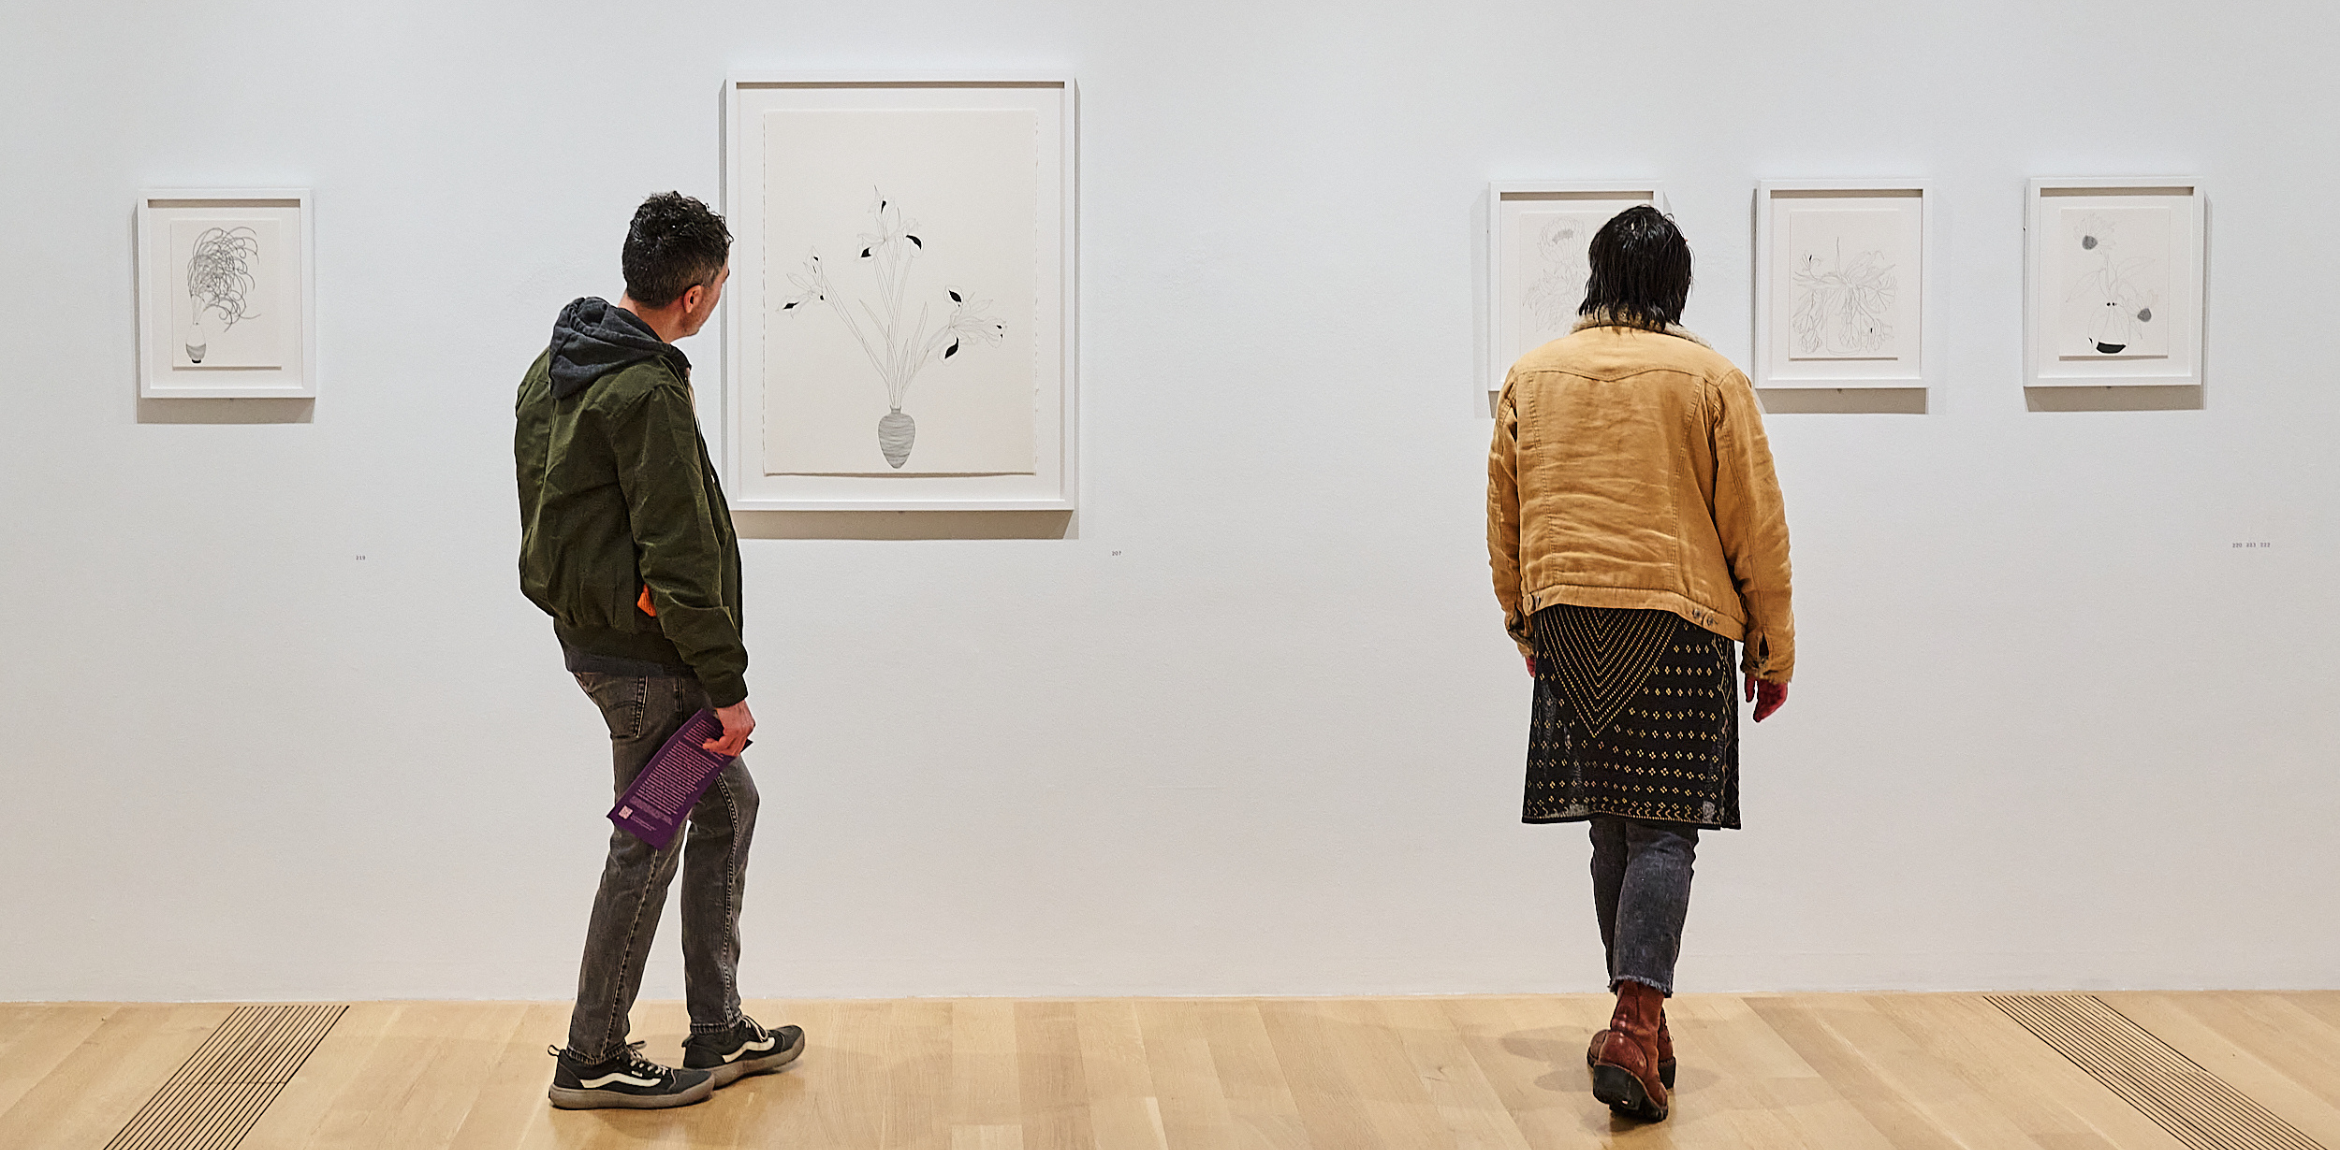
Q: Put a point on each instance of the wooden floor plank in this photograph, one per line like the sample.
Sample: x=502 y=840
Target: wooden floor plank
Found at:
x=1051 y=1082
x=919 y=1092
x=1124 y=1111
x=1259 y=1100
x=1189 y=1098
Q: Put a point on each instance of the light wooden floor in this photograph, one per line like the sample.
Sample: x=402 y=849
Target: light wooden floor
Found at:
x=1833 y=1071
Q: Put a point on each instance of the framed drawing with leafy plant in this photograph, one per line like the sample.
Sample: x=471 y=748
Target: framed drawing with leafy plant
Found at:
x=226 y=308
x=899 y=320
x=1842 y=269
x=2113 y=278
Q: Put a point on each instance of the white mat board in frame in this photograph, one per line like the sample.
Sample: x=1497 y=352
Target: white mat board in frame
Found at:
x=1844 y=273
x=226 y=294
x=1537 y=231
x=2113 y=281
x=899 y=323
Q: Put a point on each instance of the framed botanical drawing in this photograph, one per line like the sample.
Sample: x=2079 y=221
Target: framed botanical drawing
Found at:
x=899 y=325
x=1842 y=272
x=1537 y=233
x=2113 y=282
x=226 y=300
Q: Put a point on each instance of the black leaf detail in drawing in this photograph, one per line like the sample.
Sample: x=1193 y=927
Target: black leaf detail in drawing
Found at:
x=2087 y=243
x=898 y=343
x=2144 y=315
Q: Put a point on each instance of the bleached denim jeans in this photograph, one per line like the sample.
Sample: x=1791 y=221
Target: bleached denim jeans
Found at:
x=642 y=714
x=1641 y=891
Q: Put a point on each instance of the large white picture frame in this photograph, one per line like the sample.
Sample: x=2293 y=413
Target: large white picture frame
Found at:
x=227 y=303
x=1537 y=231
x=1844 y=272
x=2114 y=275
x=899 y=325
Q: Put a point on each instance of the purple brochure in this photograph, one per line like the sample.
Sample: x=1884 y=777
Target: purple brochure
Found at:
x=671 y=782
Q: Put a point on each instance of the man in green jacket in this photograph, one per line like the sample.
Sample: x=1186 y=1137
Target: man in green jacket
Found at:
x=626 y=542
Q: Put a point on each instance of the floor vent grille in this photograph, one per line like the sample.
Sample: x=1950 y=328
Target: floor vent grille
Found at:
x=219 y=1093
x=2197 y=1107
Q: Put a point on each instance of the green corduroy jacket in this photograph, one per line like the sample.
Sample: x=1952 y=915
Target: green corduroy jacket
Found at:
x=617 y=492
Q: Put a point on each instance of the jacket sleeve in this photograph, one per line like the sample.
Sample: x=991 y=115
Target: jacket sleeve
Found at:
x=1752 y=521
x=678 y=552
x=1503 y=520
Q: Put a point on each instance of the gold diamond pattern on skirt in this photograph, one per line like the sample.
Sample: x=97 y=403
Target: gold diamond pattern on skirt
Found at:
x=1636 y=714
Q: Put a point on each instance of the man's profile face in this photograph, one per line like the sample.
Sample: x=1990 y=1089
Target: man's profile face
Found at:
x=696 y=316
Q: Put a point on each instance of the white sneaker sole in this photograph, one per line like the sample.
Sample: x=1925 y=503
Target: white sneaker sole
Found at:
x=568 y=1098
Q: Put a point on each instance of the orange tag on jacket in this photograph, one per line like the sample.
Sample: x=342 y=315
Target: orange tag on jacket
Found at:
x=644 y=603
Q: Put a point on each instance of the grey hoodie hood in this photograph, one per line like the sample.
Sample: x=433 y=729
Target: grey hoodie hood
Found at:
x=595 y=337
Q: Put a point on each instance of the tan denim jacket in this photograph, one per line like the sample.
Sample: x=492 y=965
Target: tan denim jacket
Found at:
x=1630 y=469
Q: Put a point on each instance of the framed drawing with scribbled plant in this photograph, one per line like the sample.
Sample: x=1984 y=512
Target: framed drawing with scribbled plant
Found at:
x=899 y=320
x=1841 y=277
x=226 y=308
x=2113 y=282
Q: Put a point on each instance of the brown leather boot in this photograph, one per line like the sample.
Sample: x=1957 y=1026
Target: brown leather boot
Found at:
x=1665 y=1051
x=1625 y=1072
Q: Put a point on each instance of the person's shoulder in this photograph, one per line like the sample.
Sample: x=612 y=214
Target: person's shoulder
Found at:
x=539 y=373
x=1559 y=354
x=629 y=386
x=1705 y=361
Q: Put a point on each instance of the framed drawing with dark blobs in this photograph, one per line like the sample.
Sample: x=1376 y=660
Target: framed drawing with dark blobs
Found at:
x=2113 y=282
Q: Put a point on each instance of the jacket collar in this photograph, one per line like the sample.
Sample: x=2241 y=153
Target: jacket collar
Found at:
x=1607 y=318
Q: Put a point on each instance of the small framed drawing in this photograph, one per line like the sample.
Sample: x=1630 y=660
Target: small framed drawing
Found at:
x=2113 y=282
x=226 y=300
x=1537 y=233
x=899 y=331
x=1842 y=269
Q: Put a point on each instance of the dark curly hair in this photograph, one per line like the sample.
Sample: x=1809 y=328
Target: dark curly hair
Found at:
x=675 y=243
x=1640 y=269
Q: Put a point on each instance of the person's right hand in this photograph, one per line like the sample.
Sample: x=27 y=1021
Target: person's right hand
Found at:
x=1766 y=695
x=737 y=725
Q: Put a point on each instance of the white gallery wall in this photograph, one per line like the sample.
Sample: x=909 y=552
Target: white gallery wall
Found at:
x=279 y=724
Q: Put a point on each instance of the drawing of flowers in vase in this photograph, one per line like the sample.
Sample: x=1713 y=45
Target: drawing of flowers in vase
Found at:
x=898 y=339
x=220 y=284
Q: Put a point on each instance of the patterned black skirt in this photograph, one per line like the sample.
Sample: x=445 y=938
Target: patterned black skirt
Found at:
x=1636 y=714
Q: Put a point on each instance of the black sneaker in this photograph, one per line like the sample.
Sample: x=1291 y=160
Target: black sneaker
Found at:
x=745 y=1049
x=626 y=1080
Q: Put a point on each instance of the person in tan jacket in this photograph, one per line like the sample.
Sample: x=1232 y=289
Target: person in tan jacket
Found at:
x=1636 y=533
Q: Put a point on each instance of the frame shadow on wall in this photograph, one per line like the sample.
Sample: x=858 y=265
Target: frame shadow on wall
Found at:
x=1842 y=400
x=906 y=525
x=2129 y=397
x=227 y=410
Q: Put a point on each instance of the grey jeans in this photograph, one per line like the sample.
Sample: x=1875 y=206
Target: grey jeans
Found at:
x=1641 y=891
x=642 y=713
